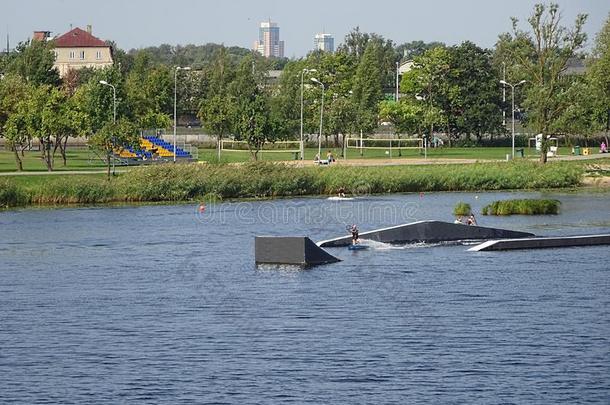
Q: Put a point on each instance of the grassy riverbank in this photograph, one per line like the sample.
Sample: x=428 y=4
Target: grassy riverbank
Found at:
x=260 y=180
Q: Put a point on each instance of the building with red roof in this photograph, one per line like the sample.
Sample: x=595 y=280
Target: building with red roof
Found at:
x=78 y=48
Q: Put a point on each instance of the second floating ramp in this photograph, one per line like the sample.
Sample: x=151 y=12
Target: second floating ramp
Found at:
x=428 y=231
x=541 y=243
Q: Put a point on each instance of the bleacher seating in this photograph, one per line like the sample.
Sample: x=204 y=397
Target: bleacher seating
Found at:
x=164 y=150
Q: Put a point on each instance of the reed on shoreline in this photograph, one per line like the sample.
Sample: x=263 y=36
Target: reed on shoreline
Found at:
x=522 y=207
x=184 y=182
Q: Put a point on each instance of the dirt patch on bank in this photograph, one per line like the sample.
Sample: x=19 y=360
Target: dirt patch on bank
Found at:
x=596 y=181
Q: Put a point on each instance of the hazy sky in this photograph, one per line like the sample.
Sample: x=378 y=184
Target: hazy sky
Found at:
x=140 y=23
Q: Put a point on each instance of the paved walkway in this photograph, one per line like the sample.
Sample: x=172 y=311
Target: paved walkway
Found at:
x=436 y=161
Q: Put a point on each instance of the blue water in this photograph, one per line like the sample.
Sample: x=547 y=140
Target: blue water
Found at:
x=164 y=304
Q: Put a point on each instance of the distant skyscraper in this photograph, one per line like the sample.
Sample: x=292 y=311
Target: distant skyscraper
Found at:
x=269 y=43
x=324 y=42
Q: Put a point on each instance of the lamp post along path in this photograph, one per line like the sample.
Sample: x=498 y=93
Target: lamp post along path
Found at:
x=316 y=81
x=105 y=83
x=512 y=90
x=302 y=75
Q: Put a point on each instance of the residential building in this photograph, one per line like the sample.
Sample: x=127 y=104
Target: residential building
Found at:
x=78 y=49
x=269 y=43
x=324 y=42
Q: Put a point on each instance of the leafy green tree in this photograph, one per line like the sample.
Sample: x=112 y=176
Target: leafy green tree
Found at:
x=71 y=122
x=410 y=50
x=337 y=71
x=368 y=88
x=599 y=78
x=114 y=135
x=542 y=54
x=475 y=107
x=355 y=45
x=190 y=55
x=96 y=100
x=35 y=117
x=253 y=120
x=429 y=82
x=12 y=125
x=216 y=109
x=150 y=93
x=408 y=115
x=578 y=117
x=34 y=63
x=288 y=96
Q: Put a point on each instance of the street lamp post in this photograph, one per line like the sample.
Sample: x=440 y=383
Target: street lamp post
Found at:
x=105 y=83
x=316 y=81
x=175 y=102
x=397 y=77
x=512 y=89
x=302 y=74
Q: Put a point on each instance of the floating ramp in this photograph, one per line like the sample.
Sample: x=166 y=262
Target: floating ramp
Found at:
x=295 y=250
x=542 y=243
x=428 y=231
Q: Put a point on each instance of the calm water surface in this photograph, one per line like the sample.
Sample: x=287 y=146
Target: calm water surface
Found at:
x=163 y=304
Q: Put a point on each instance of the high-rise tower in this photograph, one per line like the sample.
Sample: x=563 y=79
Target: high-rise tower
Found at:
x=324 y=42
x=269 y=43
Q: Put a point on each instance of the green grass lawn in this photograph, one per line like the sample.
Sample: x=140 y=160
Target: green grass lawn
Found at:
x=34 y=181
x=77 y=159
x=82 y=159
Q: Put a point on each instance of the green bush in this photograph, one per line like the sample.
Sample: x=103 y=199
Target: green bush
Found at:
x=462 y=208
x=12 y=195
x=522 y=207
x=73 y=190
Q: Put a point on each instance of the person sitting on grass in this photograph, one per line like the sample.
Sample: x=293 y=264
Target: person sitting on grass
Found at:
x=603 y=148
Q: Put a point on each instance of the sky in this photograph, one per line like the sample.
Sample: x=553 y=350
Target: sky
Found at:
x=141 y=23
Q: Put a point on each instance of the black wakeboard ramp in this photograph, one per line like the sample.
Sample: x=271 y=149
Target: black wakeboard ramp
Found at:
x=428 y=231
x=543 y=242
x=294 y=250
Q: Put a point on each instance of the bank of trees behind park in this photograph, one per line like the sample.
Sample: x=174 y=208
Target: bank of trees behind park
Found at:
x=453 y=90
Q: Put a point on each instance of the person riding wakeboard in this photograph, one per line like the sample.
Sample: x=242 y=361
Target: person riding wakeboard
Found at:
x=355 y=234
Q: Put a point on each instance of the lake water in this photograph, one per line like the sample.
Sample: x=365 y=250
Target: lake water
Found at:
x=164 y=304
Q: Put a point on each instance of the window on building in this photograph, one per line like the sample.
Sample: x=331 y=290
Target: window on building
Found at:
x=82 y=54
x=72 y=54
x=98 y=55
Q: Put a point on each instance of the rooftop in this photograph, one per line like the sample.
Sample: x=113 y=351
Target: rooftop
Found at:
x=77 y=38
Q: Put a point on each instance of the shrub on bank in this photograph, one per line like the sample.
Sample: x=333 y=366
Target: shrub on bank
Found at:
x=73 y=190
x=522 y=207
x=11 y=195
x=462 y=209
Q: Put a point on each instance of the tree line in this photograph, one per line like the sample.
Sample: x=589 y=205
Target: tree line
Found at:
x=450 y=90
